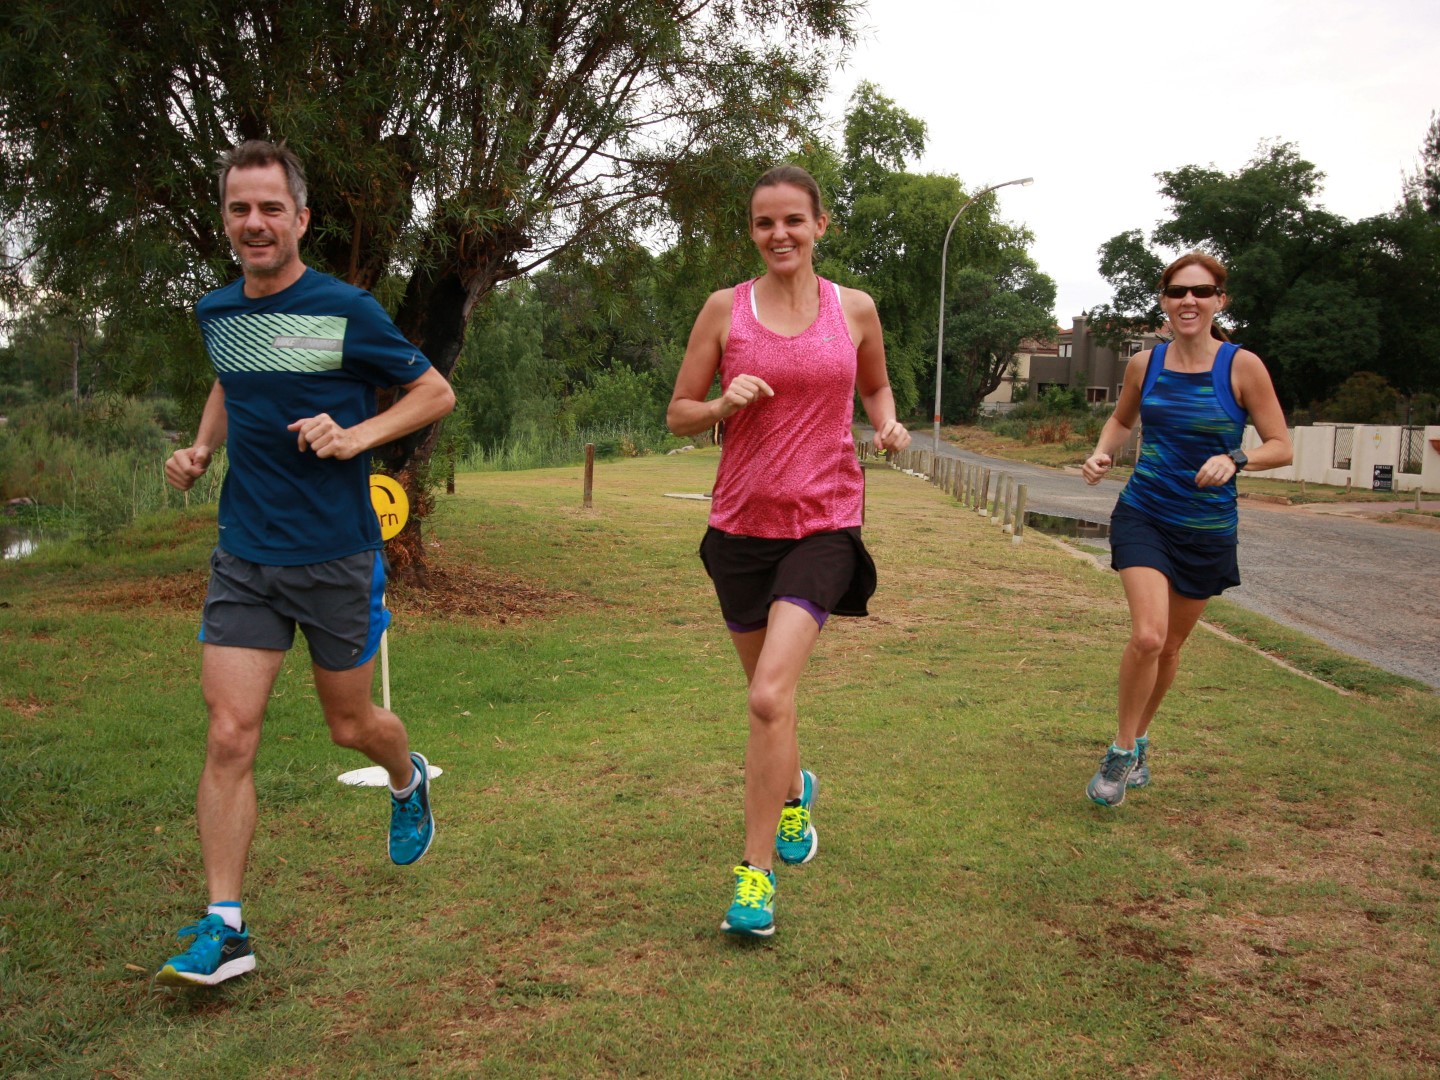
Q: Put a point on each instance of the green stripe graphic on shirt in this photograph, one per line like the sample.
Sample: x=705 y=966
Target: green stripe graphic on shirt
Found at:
x=275 y=342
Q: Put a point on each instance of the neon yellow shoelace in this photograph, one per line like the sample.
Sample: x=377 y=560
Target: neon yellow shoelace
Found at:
x=794 y=820
x=752 y=887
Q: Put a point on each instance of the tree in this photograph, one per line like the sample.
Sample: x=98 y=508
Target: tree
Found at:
x=449 y=146
x=1295 y=287
x=1363 y=398
x=1133 y=271
x=889 y=231
x=1422 y=189
x=987 y=316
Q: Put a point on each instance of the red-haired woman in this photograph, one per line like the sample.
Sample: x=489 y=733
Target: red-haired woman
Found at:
x=1173 y=531
x=783 y=548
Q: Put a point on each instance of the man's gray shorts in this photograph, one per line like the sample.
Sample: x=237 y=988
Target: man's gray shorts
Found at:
x=338 y=604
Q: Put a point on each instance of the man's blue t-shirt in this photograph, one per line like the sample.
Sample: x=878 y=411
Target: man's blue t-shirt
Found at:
x=319 y=346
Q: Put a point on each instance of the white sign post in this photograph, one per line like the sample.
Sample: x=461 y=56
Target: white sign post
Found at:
x=392 y=510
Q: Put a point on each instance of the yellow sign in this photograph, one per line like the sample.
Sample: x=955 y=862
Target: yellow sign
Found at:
x=392 y=505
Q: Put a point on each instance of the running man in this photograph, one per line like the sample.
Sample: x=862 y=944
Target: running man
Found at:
x=298 y=356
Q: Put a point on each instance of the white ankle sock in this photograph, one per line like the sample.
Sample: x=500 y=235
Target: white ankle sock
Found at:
x=409 y=789
x=229 y=910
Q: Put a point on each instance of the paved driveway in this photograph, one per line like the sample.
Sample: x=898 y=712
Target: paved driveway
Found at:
x=1371 y=590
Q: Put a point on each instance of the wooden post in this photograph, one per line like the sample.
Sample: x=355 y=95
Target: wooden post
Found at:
x=1008 y=525
x=589 y=473
x=1020 y=514
x=450 y=474
x=982 y=507
x=997 y=510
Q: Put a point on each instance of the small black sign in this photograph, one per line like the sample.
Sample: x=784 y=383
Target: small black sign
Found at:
x=1384 y=478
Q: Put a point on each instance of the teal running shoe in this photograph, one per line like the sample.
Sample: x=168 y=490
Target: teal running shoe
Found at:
x=1140 y=775
x=796 y=841
x=412 y=826
x=753 y=912
x=1107 y=786
x=217 y=953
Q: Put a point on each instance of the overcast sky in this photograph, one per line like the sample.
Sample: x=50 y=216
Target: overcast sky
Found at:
x=1094 y=99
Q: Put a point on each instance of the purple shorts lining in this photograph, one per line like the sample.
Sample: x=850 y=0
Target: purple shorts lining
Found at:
x=816 y=612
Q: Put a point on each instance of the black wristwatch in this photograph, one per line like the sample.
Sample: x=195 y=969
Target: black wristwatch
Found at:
x=1240 y=458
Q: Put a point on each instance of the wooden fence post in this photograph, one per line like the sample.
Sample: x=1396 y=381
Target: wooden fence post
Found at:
x=589 y=473
x=1020 y=514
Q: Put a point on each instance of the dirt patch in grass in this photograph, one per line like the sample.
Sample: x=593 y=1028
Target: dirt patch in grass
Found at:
x=471 y=592
x=184 y=591
x=27 y=708
x=1292 y=974
x=452 y=589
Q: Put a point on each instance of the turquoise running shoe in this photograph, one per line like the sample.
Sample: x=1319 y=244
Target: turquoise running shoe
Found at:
x=753 y=912
x=1107 y=786
x=412 y=826
x=796 y=840
x=217 y=953
x=1140 y=775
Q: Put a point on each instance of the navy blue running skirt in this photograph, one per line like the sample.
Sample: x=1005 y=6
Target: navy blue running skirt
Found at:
x=1198 y=565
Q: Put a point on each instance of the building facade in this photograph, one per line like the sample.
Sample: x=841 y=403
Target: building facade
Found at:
x=1081 y=362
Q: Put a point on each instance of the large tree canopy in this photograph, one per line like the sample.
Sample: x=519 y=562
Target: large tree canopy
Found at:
x=890 y=232
x=449 y=147
x=1318 y=297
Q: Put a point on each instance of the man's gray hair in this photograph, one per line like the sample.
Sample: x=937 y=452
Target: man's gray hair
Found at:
x=257 y=153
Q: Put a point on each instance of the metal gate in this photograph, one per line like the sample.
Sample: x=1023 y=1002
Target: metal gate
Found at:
x=1344 y=447
x=1412 y=449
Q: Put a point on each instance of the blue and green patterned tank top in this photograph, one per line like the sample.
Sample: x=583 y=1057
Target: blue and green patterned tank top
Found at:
x=1187 y=418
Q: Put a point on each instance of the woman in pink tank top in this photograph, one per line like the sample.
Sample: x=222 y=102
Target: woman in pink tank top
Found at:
x=783 y=547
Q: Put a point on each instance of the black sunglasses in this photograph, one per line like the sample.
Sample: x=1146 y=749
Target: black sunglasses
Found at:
x=1201 y=292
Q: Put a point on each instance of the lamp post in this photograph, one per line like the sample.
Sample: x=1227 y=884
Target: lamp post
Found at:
x=944 y=252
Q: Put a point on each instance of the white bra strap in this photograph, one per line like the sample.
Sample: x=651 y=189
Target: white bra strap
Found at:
x=755 y=309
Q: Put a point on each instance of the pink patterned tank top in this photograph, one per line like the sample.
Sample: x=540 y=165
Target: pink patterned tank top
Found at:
x=788 y=467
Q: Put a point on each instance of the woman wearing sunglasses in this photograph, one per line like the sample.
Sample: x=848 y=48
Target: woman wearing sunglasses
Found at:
x=1173 y=530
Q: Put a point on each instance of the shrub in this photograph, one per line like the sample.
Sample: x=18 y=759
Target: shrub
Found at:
x=1049 y=430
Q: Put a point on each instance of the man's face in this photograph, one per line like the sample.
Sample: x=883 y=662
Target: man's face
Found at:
x=262 y=223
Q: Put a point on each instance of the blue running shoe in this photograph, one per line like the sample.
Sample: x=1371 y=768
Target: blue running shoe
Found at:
x=1107 y=786
x=412 y=826
x=753 y=912
x=796 y=841
x=217 y=953
x=1140 y=775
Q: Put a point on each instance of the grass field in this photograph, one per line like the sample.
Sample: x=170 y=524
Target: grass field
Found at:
x=1269 y=907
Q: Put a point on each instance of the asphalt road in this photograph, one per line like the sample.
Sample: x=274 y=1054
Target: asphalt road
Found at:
x=1371 y=590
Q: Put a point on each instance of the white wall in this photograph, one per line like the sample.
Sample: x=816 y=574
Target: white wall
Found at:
x=1370 y=446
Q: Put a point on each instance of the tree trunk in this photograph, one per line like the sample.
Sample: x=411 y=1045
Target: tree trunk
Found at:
x=433 y=314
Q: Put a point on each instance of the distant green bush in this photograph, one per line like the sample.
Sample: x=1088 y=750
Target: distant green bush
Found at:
x=95 y=466
x=533 y=448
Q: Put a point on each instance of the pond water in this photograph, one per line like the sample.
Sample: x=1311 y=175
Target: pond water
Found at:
x=17 y=541
x=1055 y=525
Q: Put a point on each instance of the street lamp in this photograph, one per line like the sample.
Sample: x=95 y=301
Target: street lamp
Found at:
x=945 y=251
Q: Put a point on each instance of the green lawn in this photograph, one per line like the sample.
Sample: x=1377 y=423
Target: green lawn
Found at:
x=1269 y=907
